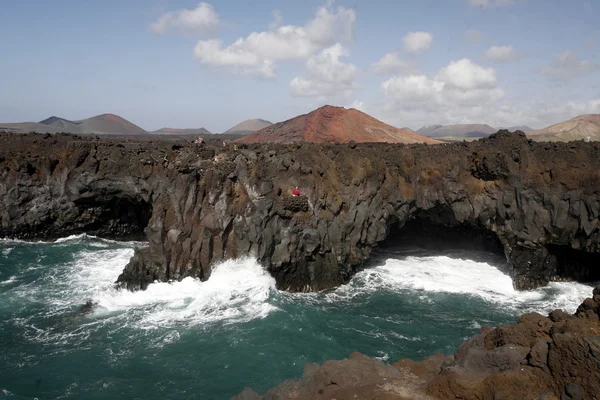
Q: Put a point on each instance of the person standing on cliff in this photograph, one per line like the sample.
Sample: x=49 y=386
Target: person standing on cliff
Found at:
x=296 y=191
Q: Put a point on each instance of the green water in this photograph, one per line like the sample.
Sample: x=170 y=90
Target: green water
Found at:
x=193 y=340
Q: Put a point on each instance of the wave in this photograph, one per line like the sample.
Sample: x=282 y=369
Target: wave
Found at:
x=72 y=239
x=237 y=291
x=442 y=274
x=240 y=290
x=10 y=280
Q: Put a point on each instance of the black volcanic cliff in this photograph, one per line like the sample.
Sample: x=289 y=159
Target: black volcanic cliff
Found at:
x=196 y=205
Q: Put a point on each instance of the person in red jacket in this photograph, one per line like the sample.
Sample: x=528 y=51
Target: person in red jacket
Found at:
x=296 y=192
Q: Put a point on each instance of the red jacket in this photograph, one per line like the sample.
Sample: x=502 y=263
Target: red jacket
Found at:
x=296 y=192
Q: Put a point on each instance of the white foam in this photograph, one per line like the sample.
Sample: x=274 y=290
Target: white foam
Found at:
x=238 y=290
x=10 y=280
x=94 y=240
x=83 y=237
x=474 y=278
x=6 y=251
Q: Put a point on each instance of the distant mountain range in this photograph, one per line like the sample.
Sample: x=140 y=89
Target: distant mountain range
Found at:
x=331 y=124
x=114 y=124
x=248 y=126
x=326 y=124
x=464 y=131
x=100 y=124
x=583 y=127
x=176 y=131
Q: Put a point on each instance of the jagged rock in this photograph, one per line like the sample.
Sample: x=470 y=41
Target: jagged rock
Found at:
x=560 y=360
x=537 y=204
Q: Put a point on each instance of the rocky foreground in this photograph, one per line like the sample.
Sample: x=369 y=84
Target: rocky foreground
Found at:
x=541 y=358
x=538 y=203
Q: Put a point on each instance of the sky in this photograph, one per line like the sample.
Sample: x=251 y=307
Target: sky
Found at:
x=190 y=64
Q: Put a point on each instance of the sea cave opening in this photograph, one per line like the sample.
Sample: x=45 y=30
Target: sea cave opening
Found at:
x=437 y=232
x=119 y=217
x=575 y=265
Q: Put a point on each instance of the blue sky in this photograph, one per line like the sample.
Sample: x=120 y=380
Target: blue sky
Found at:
x=187 y=64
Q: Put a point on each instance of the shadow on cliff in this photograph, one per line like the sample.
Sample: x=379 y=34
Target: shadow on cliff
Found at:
x=426 y=235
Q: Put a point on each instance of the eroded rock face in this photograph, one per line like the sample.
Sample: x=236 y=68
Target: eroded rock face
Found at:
x=202 y=204
x=554 y=357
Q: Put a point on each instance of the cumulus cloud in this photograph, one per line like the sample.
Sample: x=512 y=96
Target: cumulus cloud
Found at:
x=500 y=54
x=326 y=75
x=416 y=42
x=489 y=3
x=203 y=19
x=567 y=66
x=391 y=63
x=257 y=53
x=457 y=93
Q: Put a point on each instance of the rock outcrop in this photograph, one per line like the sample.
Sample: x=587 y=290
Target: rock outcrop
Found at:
x=553 y=357
x=197 y=205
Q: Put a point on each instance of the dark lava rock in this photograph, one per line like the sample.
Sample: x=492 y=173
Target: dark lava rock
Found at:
x=87 y=308
x=195 y=206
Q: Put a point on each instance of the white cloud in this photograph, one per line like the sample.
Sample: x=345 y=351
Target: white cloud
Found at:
x=415 y=42
x=464 y=92
x=458 y=93
x=358 y=105
x=326 y=75
x=391 y=63
x=501 y=54
x=466 y=75
x=489 y=3
x=203 y=19
x=541 y=114
x=257 y=53
x=473 y=36
x=567 y=66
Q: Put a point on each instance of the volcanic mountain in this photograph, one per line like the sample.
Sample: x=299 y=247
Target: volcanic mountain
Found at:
x=584 y=127
x=100 y=124
x=177 y=131
x=248 y=126
x=331 y=124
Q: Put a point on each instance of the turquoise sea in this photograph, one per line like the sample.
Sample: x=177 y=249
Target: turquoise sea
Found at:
x=208 y=340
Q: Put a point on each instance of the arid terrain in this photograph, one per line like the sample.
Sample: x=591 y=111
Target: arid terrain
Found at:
x=331 y=124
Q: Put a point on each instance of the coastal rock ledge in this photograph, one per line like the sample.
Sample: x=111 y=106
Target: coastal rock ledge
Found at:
x=536 y=203
x=541 y=358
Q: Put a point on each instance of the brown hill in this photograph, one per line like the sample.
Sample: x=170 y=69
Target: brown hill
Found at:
x=331 y=124
x=100 y=124
x=583 y=127
x=109 y=123
x=248 y=126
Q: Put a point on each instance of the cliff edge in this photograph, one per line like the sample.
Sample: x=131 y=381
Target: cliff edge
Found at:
x=537 y=203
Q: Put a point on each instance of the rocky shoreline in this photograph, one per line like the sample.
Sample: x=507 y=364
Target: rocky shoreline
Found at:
x=538 y=203
x=553 y=357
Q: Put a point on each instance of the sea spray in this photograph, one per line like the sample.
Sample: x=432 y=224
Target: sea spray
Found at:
x=237 y=291
x=210 y=339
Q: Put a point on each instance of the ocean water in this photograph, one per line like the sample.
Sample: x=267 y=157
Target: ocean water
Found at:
x=208 y=340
